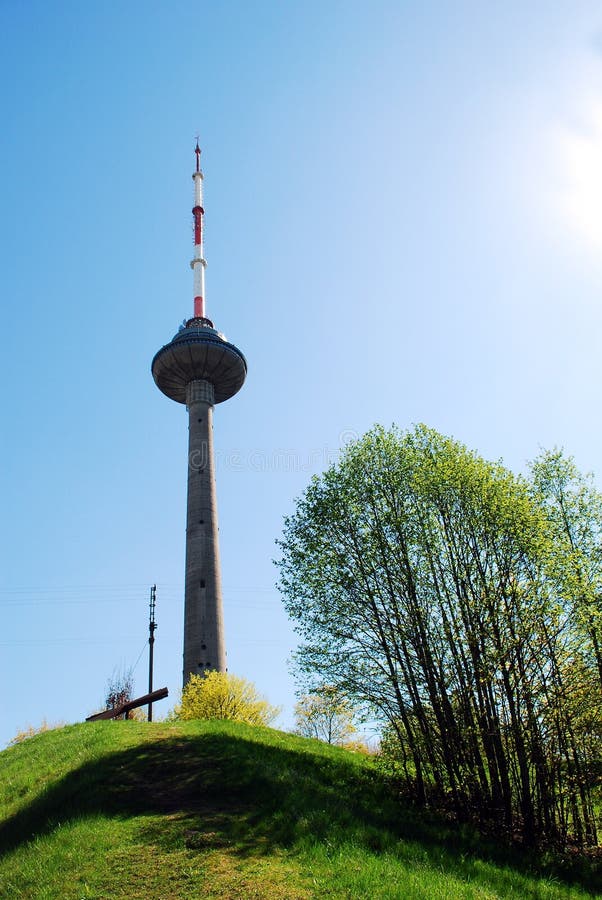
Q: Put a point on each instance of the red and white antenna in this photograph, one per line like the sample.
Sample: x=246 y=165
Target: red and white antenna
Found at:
x=198 y=262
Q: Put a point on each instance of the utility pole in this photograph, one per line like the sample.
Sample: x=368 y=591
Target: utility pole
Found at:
x=151 y=645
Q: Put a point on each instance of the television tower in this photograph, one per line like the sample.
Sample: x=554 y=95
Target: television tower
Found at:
x=200 y=368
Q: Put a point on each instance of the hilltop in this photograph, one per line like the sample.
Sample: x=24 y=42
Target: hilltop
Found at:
x=221 y=810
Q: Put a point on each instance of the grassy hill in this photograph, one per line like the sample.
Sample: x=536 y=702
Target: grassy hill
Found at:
x=220 y=810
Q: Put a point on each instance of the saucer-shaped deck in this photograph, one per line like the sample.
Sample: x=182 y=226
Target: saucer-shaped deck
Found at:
x=199 y=352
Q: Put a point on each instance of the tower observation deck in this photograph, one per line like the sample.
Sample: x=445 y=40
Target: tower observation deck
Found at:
x=200 y=368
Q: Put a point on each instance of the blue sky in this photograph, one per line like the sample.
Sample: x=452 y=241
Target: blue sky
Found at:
x=403 y=223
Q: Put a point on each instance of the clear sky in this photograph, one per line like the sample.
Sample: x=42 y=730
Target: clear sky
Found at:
x=403 y=223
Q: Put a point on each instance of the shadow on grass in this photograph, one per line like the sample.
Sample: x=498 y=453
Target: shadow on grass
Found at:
x=224 y=790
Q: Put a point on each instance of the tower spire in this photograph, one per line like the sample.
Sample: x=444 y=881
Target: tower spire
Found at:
x=198 y=262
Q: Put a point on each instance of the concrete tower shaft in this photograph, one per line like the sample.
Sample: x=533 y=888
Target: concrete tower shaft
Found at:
x=204 y=646
x=200 y=368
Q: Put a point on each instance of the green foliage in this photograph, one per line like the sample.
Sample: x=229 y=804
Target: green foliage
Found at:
x=218 y=809
x=574 y=510
x=219 y=695
x=325 y=714
x=438 y=591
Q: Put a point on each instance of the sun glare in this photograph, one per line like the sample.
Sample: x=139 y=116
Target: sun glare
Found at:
x=581 y=185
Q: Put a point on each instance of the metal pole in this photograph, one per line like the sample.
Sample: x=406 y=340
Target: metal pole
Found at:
x=151 y=644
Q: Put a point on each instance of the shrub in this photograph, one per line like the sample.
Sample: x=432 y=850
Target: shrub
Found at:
x=219 y=695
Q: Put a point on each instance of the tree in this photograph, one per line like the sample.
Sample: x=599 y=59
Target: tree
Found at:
x=219 y=695
x=574 y=509
x=428 y=586
x=325 y=714
x=120 y=687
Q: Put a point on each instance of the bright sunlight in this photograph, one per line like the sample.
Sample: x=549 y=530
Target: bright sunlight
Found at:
x=581 y=180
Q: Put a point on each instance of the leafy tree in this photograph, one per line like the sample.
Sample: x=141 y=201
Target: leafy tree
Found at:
x=574 y=508
x=428 y=585
x=219 y=695
x=325 y=714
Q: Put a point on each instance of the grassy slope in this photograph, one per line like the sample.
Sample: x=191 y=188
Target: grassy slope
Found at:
x=218 y=810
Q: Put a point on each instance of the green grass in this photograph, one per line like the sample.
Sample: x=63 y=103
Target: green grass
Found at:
x=220 y=810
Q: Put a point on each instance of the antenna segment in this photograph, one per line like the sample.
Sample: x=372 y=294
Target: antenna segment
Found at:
x=198 y=262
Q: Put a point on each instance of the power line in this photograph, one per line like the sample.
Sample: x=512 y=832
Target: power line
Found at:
x=139 y=657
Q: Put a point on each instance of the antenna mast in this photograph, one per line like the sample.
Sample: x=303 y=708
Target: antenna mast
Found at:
x=198 y=262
